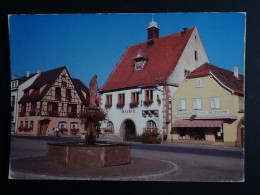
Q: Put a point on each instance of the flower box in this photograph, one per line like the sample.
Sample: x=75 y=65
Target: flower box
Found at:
x=134 y=104
x=120 y=105
x=148 y=102
x=108 y=105
x=74 y=131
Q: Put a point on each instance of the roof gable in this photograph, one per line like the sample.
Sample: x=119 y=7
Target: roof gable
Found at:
x=47 y=79
x=225 y=77
x=162 y=56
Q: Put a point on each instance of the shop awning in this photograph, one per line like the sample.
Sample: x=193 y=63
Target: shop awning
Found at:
x=198 y=123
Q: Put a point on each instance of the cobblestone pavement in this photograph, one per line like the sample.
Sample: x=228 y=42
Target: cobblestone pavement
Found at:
x=29 y=162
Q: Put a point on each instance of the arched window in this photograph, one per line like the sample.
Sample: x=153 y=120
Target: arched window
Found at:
x=110 y=127
x=74 y=125
x=62 y=125
x=150 y=125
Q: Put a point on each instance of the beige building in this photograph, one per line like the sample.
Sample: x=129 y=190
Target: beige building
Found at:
x=54 y=99
x=208 y=107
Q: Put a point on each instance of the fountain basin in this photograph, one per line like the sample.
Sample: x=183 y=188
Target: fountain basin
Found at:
x=100 y=154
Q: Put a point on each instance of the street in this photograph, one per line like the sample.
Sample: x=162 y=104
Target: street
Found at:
x=194 y=163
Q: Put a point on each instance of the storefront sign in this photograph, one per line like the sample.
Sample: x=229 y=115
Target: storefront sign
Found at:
x=128 y=111
x=208 y=112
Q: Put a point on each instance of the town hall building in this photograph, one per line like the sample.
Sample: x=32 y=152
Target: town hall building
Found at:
x=137 y=95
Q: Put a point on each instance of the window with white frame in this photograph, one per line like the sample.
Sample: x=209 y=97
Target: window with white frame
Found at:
x=199 y=82
x=110 y=125
x=214 y=102
x=62 y=125
x=181 y=104
x=196 y=103
x=73 y=125
x=150 y=125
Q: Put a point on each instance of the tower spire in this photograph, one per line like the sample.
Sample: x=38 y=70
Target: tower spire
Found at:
x=152 y=30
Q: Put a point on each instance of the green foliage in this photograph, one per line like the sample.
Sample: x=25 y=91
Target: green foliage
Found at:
x=148 y=138
x=151 y=138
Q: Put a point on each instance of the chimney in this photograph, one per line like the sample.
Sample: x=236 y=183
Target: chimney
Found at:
x=185 y=29
x=236 y=71
x=39 y=72
x=27 y=73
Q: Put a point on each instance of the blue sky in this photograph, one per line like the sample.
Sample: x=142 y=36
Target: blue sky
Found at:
x=89 y=44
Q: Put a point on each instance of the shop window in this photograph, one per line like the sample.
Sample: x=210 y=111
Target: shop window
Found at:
x=196 y=104
x=181 y=105
x=199 y=82
x=108 y=101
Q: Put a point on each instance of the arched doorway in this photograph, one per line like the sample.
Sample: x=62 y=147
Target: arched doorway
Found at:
x=127 y=129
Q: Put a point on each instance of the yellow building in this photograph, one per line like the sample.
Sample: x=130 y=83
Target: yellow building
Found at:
x=208 y=107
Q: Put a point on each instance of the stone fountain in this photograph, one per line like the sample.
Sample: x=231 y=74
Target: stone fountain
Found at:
x=90 y=152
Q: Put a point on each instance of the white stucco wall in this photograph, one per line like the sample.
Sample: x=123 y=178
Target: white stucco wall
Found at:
x=19 y=94
x=118 y=115
x=187 y=60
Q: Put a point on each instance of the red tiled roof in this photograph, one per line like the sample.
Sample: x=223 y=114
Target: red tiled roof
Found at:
x=226 y=77
x=162 y=55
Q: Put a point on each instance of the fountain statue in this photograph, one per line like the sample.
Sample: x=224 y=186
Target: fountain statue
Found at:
x=90 y=152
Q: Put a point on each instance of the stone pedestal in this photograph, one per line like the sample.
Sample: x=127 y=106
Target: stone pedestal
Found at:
x=101 y=154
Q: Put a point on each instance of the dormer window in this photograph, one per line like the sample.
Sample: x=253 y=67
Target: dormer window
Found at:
x=140 y=60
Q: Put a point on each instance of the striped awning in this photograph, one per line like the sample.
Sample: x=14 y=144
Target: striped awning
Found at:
x=198 y=123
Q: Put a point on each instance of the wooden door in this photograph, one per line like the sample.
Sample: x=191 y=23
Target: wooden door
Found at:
x=43 y=129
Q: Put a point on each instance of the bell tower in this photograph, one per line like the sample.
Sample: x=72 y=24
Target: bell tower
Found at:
x=152 y=30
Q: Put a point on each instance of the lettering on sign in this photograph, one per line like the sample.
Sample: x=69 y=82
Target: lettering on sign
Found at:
x=209 y=112
x=128 y=111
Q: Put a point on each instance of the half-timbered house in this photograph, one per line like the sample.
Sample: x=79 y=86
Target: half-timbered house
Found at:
x=53 y=100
